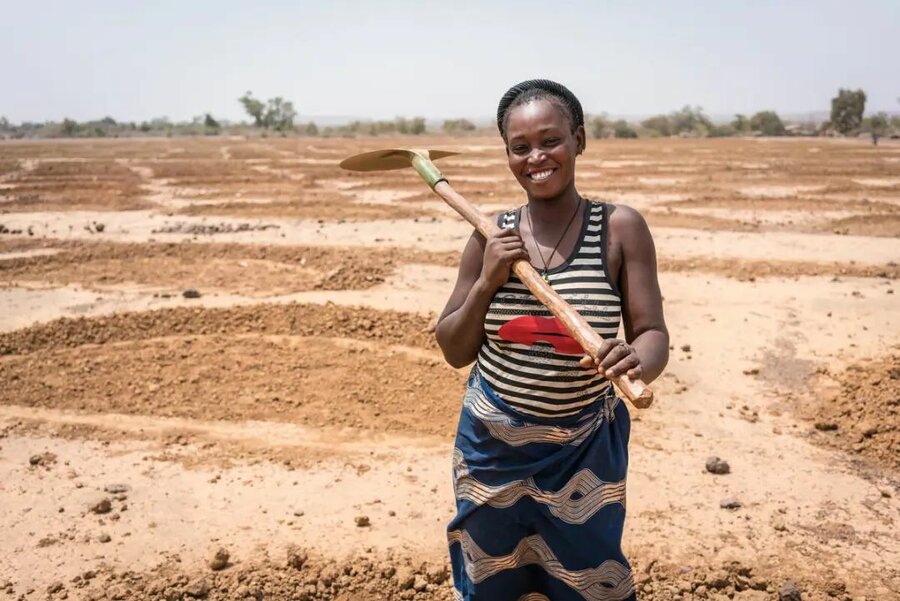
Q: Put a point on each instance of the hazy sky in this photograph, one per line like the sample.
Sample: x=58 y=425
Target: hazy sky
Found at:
x=383 y=58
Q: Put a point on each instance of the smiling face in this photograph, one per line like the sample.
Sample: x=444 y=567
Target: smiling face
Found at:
x=541 y=148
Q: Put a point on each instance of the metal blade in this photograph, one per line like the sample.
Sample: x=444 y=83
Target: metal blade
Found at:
x=390 y=158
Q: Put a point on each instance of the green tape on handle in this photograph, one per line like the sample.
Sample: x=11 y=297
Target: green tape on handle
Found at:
x=431 y=174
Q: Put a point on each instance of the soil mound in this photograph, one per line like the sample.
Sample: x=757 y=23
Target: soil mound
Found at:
x=244 y=269
x=73 y=185
x=388 y=578
x=321 y=382
x=746 y=269
x=299 y=578
x=322 y=366
x=858 y=410
x=295 y=319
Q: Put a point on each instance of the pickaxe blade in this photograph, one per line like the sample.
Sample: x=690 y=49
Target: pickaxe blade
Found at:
x=391 y=158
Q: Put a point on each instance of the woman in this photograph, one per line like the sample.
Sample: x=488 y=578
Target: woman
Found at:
x=541 y=451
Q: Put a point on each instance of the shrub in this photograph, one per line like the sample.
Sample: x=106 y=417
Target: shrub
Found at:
x=623 y=130
x=600 y=127
x=658 y=126
x=722 y=131
x=768 y=123
x=453 y=126
x=740 y=124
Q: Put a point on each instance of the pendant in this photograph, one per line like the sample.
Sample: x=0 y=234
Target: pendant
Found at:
x=546 y=277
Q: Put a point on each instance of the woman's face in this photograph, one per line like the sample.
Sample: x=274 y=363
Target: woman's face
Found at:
x=541 y=148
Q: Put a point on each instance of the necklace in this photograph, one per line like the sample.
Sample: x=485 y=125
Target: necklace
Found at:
x=553 y=252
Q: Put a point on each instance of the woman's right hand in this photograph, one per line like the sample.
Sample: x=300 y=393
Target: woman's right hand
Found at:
x=500 y=252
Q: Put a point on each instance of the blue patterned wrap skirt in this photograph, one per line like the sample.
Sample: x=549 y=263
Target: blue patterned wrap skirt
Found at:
x=540 y=502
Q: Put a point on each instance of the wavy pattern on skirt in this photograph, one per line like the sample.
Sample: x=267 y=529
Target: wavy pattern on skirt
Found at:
x=516 y=433
x=533 y=597
x=610 y=581
x=575 y=503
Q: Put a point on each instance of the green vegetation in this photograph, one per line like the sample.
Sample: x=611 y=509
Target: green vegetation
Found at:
x=400 y=125
x=255 y=108
x=621 y=129
x=768 y=123
x=741 y=124
x=657 y=126
x=877 y=124
x=725 y=130
x=278 y=114
x=599 y=127
x=455 y=126
x=688 y=122
x=847 y=110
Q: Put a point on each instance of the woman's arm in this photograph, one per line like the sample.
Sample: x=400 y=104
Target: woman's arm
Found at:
x=645 y=351
x=484 y=267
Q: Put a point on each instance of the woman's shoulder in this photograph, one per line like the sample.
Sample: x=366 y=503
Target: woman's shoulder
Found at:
x=627 y=227
x=624 y=217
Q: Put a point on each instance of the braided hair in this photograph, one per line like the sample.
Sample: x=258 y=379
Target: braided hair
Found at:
x=534 y=89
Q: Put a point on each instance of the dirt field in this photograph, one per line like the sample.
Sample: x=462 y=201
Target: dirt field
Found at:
x=226 y=344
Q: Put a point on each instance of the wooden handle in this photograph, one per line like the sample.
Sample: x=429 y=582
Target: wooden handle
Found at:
x=635 y=390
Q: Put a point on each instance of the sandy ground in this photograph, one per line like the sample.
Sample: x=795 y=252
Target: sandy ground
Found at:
x=226 y=344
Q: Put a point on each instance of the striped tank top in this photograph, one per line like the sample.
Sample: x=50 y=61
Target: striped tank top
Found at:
x=528 y=357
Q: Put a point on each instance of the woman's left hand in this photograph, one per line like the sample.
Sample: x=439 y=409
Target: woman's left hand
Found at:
x=616 y=357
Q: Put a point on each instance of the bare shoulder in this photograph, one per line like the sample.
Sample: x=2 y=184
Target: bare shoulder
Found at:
x=625 y=216
x=627 y=224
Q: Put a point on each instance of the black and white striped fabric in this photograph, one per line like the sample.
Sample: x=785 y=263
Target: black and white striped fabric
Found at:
x=534 y=377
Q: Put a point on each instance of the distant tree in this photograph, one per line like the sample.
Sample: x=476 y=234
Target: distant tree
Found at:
x=279 y=114
x=847 y=110
x=4 y=124
x=159 y=123
x=740 y=123
x=417 y=126
x=454 y=126
x=311 y=129
x=722 y=131
x=623 y=130
x=658 y=125
x=402 y=125
x=690 y=120
x=69 y=127
x=878 y=123
x=878 y=126
x=768 y=123
x=600 y=127
x=108 y=121
x=255 y=108
x=210 y=122
x=687 y=121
